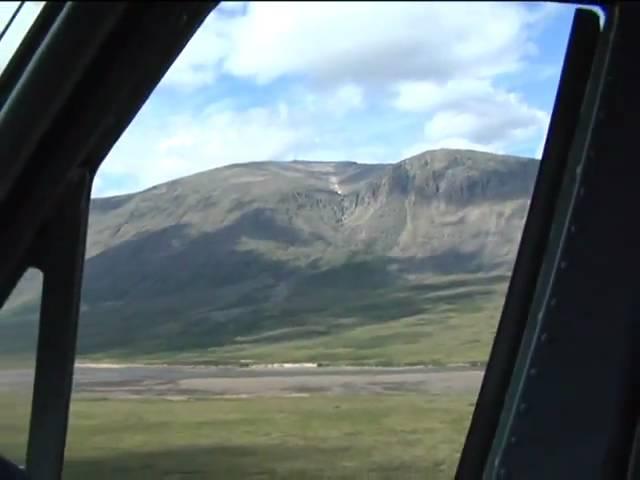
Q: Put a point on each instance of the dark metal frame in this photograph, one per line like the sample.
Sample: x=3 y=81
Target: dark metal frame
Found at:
x=562 y=374
x=569 y=99
x=559 y=398
x=575 y=389
x=60 y=115
x=61 y=258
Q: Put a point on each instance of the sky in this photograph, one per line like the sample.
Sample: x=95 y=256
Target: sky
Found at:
x=331 y=81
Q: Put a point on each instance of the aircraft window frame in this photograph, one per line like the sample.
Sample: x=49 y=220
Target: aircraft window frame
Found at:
x=514 y=319
x=71 y=173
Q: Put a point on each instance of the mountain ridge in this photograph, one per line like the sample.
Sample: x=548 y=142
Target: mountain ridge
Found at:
x=242 y=250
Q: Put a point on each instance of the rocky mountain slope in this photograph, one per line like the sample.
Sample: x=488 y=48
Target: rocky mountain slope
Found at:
x=248 y=249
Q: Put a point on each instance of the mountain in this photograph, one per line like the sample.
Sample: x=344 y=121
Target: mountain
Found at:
x=282 y=252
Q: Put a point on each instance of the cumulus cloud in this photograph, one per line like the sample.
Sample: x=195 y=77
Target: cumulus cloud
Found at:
x=378 y=41
x=303 y=125
x=188 y=144
x=471 y=113
x=366 y=43
x=200 y=62
x=338 y=101
x=346 y=98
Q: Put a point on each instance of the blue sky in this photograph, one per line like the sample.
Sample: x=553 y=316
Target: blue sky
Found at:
x=367 y=82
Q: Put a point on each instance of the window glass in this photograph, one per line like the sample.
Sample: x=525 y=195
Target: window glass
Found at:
x=18 y=346
x=298 y=251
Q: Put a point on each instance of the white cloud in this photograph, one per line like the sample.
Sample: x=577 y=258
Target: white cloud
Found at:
x=337 y=102
x=378 y=41
x=255 y=134
x=200 y=62
x=472 y=113
x=346 y=98
x=361 y=42
x=424 y=96
x=186 y=145
x=501 y=120
x=232 y=7
x=159 y=147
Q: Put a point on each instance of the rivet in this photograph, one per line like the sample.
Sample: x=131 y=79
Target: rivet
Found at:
x=533 y=371
x=543 y=337
x=552 y=302
x=563 y=264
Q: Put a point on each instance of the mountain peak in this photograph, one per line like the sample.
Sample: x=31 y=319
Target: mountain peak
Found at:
x=447 y=157
x=232 y=249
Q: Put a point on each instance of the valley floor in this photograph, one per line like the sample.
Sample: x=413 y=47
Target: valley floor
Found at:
x=184 y=382
x=397 y=436
x=168 y=422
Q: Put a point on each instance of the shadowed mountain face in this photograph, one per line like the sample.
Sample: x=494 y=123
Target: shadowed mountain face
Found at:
x=207 y=258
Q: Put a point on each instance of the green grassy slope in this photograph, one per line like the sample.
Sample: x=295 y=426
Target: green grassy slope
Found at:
x=349 y=315
x=447 y=320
